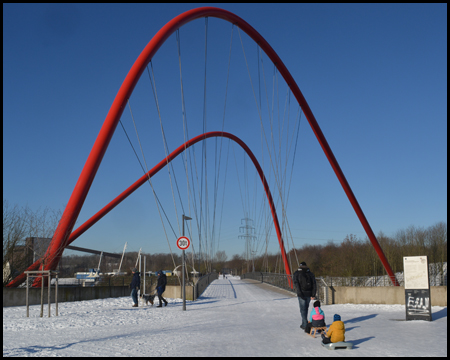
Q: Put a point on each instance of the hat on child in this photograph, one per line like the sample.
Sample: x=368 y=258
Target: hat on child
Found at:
x=316 y=303
x=337 y=317
x=134 y=270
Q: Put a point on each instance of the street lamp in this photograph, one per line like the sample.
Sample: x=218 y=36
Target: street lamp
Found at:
x=183 y=288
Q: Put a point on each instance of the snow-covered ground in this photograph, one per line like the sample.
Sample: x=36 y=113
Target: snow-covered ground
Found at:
x=232 y=318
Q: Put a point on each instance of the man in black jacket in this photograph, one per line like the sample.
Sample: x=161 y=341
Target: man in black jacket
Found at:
x=135 y=286
x=161 y=287
x=305 y=283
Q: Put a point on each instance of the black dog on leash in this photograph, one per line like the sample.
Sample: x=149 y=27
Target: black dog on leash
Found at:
x=148 y=298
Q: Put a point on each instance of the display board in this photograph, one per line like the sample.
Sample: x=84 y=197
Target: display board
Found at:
x=415 y=272
x=417 y=288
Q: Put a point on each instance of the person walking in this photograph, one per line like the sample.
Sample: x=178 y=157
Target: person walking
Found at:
x=135 y=286
x=161 y=287
x=305 y=283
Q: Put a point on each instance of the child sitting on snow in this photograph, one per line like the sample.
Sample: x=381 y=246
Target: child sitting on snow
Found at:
x=316 y=317
x=336 y=332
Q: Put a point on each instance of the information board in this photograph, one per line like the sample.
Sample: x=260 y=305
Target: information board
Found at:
x=415 y=272
x=417 y=288
x=418 y=304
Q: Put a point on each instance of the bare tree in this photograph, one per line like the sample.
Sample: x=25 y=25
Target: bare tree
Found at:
x=14 y=231
x=219 y=260
x=18 y=224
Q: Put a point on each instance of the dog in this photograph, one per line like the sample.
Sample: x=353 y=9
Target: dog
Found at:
x=148 y=298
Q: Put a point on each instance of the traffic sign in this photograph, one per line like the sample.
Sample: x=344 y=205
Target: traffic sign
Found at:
x=183 y=243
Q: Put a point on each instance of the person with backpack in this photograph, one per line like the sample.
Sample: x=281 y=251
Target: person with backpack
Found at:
x=305 y=283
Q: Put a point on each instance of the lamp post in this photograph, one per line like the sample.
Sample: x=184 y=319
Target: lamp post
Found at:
x=183 y=288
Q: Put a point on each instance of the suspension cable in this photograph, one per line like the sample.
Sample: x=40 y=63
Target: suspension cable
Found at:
x=186 y=137
x=259 y=111
x=188 y=152
x=155 y=96
x=166 y=148
x=153 y=190
x=260 y=114
x=204 y=162
x=278 y=179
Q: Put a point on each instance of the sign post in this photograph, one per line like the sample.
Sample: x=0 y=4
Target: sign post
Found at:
x=417 y=288
x=183 y=243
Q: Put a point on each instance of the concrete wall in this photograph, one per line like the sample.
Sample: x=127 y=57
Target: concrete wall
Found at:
x=337 y=294
x=17 y=296
x=174 y=292
x=382 y=295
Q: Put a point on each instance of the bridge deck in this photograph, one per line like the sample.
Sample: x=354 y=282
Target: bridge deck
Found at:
x=269 y=287
x=233 y=317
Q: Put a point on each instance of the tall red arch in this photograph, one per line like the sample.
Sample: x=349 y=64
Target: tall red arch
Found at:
x=75 y=203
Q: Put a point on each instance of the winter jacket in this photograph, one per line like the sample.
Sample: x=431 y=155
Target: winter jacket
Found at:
x=297 y=281
x=136 y=281
x=317 y=317
x=162 y=282
x=336 y=331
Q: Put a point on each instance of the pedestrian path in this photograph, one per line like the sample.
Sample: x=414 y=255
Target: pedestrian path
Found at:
x=230 y=287
x=232 y=317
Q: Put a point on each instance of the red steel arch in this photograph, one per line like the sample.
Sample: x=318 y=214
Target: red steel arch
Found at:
x=111 y=205
x=75 y=203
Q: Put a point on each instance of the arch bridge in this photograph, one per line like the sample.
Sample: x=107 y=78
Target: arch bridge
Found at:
x=64 y=233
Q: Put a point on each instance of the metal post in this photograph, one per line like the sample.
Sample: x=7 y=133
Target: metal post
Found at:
x=56 y=294
x=28 y=307
x=42 y=292
x=182 y=282
x=195 y=281
x=140 y=267
x=184 y=285
x=49 y=283
x=183 y=288
x=145 y=260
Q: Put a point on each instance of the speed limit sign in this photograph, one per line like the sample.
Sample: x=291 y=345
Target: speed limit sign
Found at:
x=183 y=243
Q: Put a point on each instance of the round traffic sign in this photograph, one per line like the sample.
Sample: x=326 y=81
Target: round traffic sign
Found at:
x=183 y=243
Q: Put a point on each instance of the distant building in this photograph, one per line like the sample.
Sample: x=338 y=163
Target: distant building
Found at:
x=37 y=246
x=17 y=261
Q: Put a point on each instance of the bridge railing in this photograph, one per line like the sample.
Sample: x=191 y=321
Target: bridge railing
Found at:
x=278 y=280
x=437 y=276
x=282 y=281
x=437 y=273
x=203 y=283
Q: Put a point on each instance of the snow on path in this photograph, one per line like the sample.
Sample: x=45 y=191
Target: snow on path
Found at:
x=231 y=318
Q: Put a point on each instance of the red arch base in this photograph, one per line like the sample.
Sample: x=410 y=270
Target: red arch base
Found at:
x=75 y=203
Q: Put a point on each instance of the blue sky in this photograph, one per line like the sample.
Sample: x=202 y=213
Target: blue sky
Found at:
x=375 y=77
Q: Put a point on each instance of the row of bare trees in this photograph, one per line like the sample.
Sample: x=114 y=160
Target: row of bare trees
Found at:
x=357 y=257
